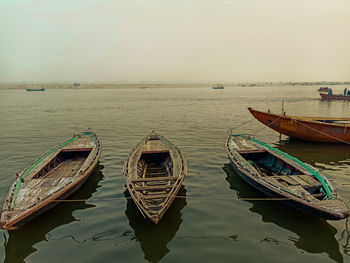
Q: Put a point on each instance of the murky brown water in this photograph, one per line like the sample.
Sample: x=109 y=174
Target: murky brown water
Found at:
x=194 y=230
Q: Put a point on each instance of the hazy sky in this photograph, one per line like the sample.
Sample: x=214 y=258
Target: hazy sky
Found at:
x=174 y=40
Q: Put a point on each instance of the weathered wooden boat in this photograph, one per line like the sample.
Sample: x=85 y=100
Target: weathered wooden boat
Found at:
x=33 y=89
x=284 y=177
x=154 y=172
x=51 y=177
x=326 y=96
x=317 y=129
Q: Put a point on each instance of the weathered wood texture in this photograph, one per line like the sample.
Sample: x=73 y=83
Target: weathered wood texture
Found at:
x=299 y=186
x=54 y=175
x=154 y=171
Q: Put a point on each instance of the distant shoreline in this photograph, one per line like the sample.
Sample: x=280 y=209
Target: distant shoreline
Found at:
x=19 y=86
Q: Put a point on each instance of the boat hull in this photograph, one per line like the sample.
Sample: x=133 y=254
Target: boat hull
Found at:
x=30 y=215
x=304 y=129
x=42 y=89
x=326 y=96
x=272 y=191
x=148 y=196
x=292 y=203
x=50 y=201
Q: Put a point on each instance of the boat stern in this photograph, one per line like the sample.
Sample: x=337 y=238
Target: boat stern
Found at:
x=8 y=224
x=335 y=209
x=155 y=219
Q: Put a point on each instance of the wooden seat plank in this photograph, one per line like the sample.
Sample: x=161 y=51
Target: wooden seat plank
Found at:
x=147 y=197
x=299 y=180
x=287 y=179
x=301 y=192
x=158 y=187
x=308 y=179
x=152 y=179
x=274 y=181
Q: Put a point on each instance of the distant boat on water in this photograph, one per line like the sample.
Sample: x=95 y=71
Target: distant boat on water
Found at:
x=32 y=89
x=218 y=87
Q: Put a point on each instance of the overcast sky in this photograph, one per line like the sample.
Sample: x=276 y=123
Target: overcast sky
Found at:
x=174 y=40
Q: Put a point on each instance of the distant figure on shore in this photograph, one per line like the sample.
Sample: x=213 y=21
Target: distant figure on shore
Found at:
x=345 y=90
x=348 y=93
x=330 y=92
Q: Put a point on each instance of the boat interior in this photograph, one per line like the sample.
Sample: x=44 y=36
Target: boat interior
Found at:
x=278 y=172
x=154 y=178
x=55 y=175
x=154 y=164
x=64 y=164
x=335 y=121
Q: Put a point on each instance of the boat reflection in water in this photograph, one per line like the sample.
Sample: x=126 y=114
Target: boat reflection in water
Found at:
x=20 y=242
x=155 y=237
x=315 y=234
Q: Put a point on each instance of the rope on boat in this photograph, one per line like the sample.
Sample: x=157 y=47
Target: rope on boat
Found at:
x=218 y=198
x=181 y=197
x=340 y=140
x=335 y=138
x=244 y=123
x=269 y=124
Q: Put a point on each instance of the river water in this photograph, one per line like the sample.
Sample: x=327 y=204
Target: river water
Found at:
x=211 y=224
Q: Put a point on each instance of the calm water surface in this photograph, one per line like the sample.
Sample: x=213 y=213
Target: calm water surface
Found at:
x=107 y=227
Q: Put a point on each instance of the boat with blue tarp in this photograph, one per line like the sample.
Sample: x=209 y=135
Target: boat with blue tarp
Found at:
x=284 y=178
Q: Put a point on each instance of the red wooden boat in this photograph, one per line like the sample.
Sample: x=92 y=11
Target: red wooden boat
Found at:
x=326 y=96
x=317 y=129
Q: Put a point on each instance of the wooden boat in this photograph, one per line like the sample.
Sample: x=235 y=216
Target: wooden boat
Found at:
x=326 y=96
x=154 y=172
x=284 y=177
x=317 y=129
x=38 y=89
x=53 y=176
